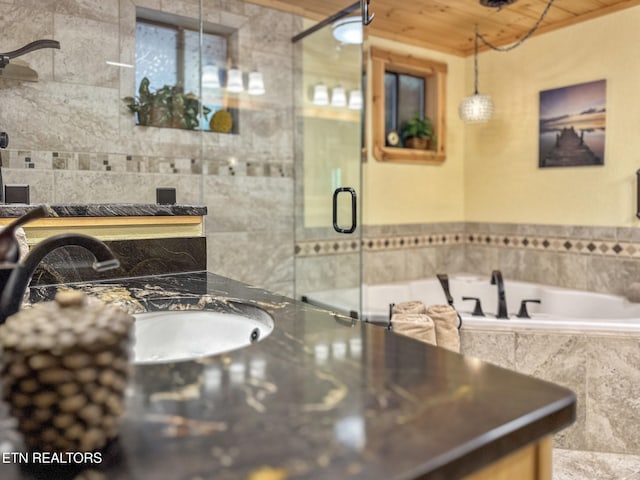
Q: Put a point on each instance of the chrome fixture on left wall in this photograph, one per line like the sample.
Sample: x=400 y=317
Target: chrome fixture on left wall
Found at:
x=22 y=71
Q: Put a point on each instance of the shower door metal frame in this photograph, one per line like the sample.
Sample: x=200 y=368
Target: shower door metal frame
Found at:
x=356 y=200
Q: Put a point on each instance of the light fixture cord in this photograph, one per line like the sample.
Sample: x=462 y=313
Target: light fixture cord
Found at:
x=475 y=62
x=519 y=42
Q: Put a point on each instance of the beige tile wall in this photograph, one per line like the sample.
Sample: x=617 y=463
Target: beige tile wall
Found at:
x=602 y=369
x=73 y=120
x=597 y=259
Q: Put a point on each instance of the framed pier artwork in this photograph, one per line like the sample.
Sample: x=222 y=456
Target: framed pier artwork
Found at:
x=572 y=125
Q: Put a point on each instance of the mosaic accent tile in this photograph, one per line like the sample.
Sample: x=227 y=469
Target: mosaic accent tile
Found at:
x=30 y=159
x=59 y=164
x=84 y=161
x=254 y=170
x=117 y=162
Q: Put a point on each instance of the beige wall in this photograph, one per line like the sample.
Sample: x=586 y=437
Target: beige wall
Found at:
x=491 y=172
x=502 y=180
x=396 y=193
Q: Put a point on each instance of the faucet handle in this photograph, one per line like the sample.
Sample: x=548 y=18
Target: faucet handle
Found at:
x=9 y=247
x=477 y=309
x=523 y=313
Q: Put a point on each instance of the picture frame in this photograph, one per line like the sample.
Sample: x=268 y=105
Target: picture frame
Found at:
x=572 y=125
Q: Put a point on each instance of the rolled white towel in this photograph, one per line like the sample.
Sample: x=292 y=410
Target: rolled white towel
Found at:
x=414 y=325
x=413 y=306
x=445 y=319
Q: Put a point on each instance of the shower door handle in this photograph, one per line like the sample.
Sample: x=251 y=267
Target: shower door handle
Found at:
x=354 y=212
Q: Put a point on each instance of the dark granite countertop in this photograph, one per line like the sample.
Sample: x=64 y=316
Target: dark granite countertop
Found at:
x=322 y=397
x=106 y=210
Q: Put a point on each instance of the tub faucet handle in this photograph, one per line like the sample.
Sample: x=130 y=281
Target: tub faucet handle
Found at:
x=523 y=313
x=477 y=309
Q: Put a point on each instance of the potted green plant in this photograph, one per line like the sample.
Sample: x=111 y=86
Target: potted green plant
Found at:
x=418 y=132
x=141 y=105
x=168 y=106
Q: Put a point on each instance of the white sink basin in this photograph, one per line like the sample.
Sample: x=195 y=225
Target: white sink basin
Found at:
x=168 y=336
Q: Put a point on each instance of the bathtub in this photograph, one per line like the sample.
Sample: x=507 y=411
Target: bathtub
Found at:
x=559 y=308
x=587 y=342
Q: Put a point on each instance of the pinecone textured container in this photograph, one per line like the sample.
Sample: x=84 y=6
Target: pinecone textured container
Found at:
x=65 y=367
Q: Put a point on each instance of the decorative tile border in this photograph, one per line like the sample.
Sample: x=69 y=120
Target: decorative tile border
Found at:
x=110 y=162
x=326 y=247
x=529 y=242
x=398 y=242
x=577 y=245
x=369 y=244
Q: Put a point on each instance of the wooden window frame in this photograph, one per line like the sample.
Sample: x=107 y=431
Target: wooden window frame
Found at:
x=385 y=60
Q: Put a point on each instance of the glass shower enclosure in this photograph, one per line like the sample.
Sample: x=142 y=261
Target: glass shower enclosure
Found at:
x=329 y=105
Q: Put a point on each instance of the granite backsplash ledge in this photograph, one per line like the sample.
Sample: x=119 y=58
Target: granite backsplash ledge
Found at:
x=106 y=210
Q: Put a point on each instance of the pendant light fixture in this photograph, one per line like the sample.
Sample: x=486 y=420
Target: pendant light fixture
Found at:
x=256 y=83
x=320 y=95
x=355 y=100
x=338 y=97
x=210 y=77
x=476 y=108
x=235 y=84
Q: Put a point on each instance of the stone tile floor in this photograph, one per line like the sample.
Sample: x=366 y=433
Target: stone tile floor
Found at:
x=583 y=465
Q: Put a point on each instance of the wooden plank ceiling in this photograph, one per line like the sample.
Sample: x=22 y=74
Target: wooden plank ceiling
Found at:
x=448 y=25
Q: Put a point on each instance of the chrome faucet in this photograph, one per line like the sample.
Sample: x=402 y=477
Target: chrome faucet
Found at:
x=6 y=57
x=15 y=275
x=496 y=279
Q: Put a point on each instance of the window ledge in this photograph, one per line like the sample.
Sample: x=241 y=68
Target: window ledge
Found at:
x=408 y=155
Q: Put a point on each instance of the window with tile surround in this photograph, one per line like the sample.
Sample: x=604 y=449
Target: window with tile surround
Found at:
x=422 y=82
x=168 y=53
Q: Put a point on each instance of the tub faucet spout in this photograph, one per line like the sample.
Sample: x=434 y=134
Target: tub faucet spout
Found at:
x=496 y=279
